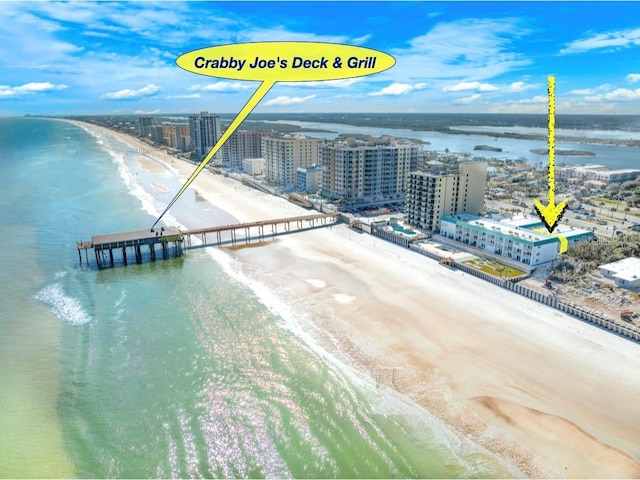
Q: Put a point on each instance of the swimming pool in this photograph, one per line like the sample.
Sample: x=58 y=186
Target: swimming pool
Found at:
x=404 y=231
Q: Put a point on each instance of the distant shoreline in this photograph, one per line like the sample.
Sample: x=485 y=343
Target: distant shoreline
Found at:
x=568 y=139
x=565 y=153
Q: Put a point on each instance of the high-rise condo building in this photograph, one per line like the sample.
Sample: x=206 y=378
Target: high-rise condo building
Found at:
x=205 y=131
x=156 y=134
x=431 y=196
x=178 y=136
x=243 y=144
x=144 y=124
x=367 y=173
x=284 y=154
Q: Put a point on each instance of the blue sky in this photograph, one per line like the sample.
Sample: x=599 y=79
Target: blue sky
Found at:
x=485 y=57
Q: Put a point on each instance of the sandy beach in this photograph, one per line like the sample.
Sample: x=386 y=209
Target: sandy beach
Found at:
x=554 y=396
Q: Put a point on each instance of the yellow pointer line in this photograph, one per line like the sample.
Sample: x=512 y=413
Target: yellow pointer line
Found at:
x=262 y=90
x=552 y=142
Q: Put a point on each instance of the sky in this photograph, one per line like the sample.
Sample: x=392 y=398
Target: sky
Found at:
x=73 y=58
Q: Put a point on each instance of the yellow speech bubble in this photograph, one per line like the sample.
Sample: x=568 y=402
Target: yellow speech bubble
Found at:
x=285 y=61
x=271 y=62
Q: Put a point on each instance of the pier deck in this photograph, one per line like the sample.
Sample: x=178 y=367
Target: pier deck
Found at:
x=256 y=230
x=173 y=241
x=104 y=245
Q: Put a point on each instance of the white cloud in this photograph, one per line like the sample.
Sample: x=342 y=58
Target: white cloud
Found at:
x=609 y=40
x=361 y=40
x=591 y=91
x=398 y=89
x=284 y=100
x=542 y=99
x=281 y=34
x=633 y=77
x=147 y=112
x=192 y=95
x=29 y=88
x=346 y=82
x=619 y=94
x=128 y=94
x=224 y=86
x=468 y=50
x=39 y=87
x=517 y=87
x=581 y=91
x=470 y=99
x=482 y=87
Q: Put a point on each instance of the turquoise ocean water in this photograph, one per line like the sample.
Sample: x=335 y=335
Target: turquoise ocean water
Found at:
x=172 y=369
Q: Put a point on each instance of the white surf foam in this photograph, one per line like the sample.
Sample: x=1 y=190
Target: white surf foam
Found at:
x=64 y=307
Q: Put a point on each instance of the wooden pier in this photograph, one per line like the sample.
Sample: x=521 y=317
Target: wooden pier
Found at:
x=130 y=247
x=248 y=232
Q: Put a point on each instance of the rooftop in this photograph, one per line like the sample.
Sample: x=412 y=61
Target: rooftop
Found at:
x=501 y=228
x=627 y=268
x=571 y=232
x=136 y=237
x=523 y=222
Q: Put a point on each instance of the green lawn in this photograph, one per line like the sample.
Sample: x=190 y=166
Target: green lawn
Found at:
x=494 y=268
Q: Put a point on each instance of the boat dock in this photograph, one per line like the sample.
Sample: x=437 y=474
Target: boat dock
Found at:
x=170 y=242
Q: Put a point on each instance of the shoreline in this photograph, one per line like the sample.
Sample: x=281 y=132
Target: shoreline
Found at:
x=482 y=370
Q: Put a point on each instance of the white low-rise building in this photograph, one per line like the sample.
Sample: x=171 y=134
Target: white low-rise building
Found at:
x=307 y=178
x=253 y=166
x=569 y=236
x=519 y=244
x=600 y=173
x=625 y=272
x=618 y=176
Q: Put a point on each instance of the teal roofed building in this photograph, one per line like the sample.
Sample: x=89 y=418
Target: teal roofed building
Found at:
x=523 y=240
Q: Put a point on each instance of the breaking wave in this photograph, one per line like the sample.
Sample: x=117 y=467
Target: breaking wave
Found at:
x=64 y=307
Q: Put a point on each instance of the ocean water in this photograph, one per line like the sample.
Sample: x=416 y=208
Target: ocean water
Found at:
x=182 y=368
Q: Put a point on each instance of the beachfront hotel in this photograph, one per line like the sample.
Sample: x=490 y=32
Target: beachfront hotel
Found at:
x=522 y=240
x=367 y=173
x=431 y=196
x=284 y=154
x=205 y=131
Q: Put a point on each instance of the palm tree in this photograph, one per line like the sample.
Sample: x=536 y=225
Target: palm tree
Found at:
x=601 y=205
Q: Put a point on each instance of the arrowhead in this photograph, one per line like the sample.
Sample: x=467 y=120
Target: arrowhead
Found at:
x=550 y=214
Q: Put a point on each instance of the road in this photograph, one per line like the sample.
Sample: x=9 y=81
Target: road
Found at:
x=569 y=218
